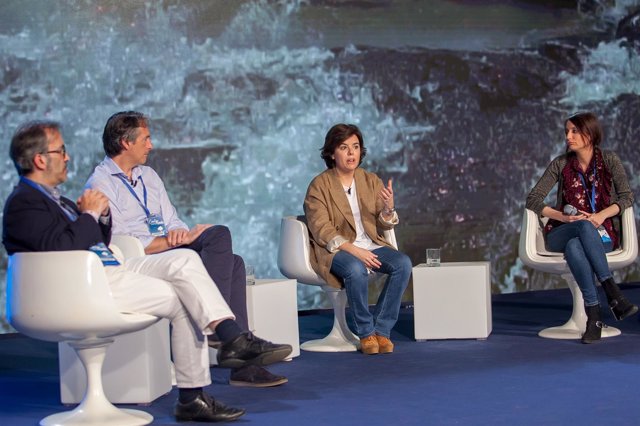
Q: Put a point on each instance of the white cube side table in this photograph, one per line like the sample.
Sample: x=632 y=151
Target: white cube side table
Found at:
x=136 y=370
x=452 y=301
x=272 y=310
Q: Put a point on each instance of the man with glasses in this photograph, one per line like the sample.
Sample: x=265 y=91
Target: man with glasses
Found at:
x=37 y=218
x=141 y=208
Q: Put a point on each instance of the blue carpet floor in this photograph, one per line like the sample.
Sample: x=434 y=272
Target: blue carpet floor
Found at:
x=512 y=378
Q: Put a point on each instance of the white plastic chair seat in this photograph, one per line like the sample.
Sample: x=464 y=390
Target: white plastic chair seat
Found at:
x=544 y=252
x=533 y=253
x=65 y=297
x=294 y=262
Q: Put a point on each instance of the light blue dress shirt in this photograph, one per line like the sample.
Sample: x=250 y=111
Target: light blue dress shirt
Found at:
x=127 y=215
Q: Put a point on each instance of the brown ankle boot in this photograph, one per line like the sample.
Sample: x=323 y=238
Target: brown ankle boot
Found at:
x=369 y=345
x=385 y=344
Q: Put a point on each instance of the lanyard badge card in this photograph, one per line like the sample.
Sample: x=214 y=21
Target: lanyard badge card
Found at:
x=604 y=235
x=156 y=225
x=106 y=256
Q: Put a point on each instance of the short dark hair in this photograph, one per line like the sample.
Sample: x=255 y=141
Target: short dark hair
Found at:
x=335 y=136
x=588 y=125
x=30 y=139
x=121 y=126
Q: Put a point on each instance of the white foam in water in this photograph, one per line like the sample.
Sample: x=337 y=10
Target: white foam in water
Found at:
x=608 y=71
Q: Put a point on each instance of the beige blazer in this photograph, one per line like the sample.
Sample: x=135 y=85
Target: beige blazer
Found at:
x=328 y=215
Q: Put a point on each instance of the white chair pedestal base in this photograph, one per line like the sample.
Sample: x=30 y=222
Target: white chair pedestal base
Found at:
x=574 y=328
x=95 y=408
x=137 y=368
x=340 y=339
x=333 y=342
x=77 y=417
x=569 y=330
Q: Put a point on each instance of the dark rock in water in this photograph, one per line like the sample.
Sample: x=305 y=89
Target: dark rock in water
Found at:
x=556 y=4
x=262 y=87
x=181 y=170
x=484 y=80
x=594 y=7
x=620 y=126
x=206 y=83
x=11 y=70
x=361 y=4
x=565 y=55
x=629 y=28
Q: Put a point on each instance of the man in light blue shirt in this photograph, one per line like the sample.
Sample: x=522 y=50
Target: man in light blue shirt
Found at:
x=140 y=207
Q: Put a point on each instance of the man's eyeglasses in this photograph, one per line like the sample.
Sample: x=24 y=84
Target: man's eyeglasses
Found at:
x=62 y=150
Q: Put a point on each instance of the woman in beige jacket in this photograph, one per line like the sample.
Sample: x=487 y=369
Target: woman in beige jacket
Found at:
x=347 y=210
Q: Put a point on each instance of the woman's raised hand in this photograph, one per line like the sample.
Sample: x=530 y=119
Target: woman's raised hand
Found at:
x=386 y=195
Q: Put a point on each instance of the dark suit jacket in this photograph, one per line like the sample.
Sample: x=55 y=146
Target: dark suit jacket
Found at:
x=34 y=222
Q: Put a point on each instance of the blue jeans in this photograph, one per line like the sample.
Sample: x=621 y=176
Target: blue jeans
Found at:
x=584 y=252
x=356 y=282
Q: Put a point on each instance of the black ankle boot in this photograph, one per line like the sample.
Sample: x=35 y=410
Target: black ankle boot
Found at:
x=593 y=333
x=619 y=305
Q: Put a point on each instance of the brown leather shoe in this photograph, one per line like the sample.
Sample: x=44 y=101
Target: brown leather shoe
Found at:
x=369 y=345
x=385 y=345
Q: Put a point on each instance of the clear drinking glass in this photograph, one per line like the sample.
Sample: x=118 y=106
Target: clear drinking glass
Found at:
x=433 y=257
x=251 y=276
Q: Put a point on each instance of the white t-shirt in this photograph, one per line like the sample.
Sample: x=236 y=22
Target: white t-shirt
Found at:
x=362 y=239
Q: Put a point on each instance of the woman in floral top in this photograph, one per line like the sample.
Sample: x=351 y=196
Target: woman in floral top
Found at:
x=593 y=191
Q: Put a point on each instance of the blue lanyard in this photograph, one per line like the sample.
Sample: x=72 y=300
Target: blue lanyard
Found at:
x=124 y=180
x=592 y=199
x=72 y=215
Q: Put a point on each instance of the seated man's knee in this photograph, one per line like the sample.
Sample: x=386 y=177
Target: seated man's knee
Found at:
x=219 y=233
x=183 y=256
x=238 y=262
x=178 y=310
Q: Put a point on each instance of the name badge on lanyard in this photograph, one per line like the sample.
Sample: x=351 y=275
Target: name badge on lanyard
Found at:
x=155 y=223
x=604 y=235
x=106 y=256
